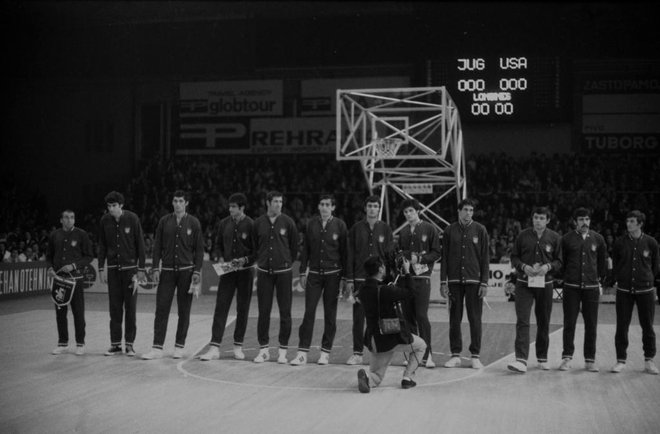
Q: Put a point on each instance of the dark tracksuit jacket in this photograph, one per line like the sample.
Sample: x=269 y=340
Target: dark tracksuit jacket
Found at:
x=121 y=242
x=528 y=249
x=363 y=242
x=584 y=259
x=276 y=243
x=180 y=246
x=635 y=263
x=234 y=240
x=423 y=241
x=69 y=247
x=389 y=294
x=324 y=250
x=465 y=255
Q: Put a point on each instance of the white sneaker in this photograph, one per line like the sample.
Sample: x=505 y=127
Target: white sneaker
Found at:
x=476 y=363
x=155 y=353
x=281 y=358
x=591 y=366
x=300 y=359
x=618 y=367
x=324 y=358
x=263 y=356
x=178 y=353
x=212 y=354
x=517 y=366
x=544 y=366
x=59 y=350
x=565 y=364
x=355 y=359
x=430 y=364
x=80 y=350
x=238 y=352
x=454 y=362
x=650 y=367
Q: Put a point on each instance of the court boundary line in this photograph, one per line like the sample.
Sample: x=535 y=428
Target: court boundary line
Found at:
x=475 y=373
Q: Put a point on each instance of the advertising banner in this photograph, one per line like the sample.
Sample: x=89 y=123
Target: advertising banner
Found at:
x=24 y=278
x=293 y=135
x=214 y=116
x=619 y=113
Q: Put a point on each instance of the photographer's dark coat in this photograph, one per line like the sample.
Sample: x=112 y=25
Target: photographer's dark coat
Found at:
x=389 y=294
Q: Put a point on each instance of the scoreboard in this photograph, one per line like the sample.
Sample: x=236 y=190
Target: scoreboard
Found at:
x=503 y=88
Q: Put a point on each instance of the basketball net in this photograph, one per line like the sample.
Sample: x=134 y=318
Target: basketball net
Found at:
x=387 y=147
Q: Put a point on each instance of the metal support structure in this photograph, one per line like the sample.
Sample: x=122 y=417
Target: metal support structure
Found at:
x=408 y=141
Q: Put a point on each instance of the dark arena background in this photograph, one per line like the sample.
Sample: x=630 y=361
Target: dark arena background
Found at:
x=558 y=104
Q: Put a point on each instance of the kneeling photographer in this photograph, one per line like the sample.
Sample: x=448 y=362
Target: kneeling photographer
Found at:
x=387 y=329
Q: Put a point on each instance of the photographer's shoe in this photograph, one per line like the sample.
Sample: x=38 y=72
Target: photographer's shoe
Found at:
x=454 y=362
x=363 y=381
x=212 y=354
x=355 y=359
x=300 y=359
x=407 y=383
x=476 y=363
x=80 y=350
x=544 y=366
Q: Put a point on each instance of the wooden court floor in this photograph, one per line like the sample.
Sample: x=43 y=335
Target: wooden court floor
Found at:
x=42 y=393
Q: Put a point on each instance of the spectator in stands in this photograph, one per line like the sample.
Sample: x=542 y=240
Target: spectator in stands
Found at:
x=13 y=256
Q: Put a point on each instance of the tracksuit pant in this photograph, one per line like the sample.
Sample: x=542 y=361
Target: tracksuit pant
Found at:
x=542 y=299
x=625 y=302
x=468 y=294
x=358 y=322
x=171 y=281
x=326 y=286
x=421 y=288
x=122 y=299
x=78 y=310
x=268 y=285
x=240 y=283
x=574 y=300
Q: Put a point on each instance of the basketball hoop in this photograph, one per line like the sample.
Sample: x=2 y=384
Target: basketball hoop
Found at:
x=387 y=147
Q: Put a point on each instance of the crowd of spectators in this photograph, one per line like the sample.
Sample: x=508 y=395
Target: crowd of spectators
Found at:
x=505 y=187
